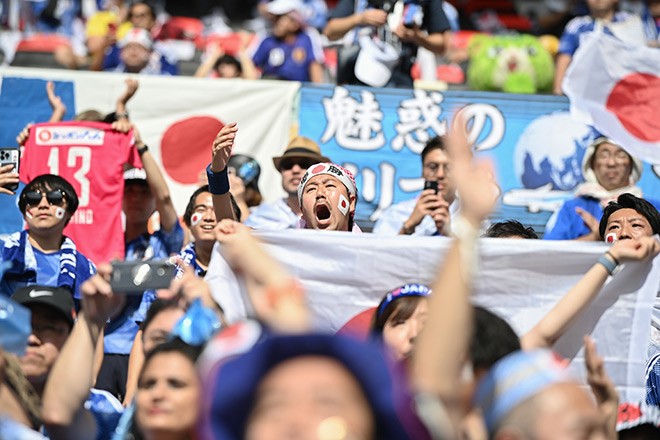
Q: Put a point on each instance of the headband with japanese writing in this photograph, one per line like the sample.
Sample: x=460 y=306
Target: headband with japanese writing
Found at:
x=341 y=173
x=412 y=289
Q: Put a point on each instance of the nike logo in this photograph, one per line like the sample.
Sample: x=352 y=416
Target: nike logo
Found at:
x=38 y=293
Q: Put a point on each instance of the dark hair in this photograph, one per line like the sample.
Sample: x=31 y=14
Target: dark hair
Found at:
x=187 y=214
x=401 y=308
x=152 y=11
x=492 y=339
x=159 y=305
x=228 y=59
x=629 y=201
x=435 y=143
x=510 y=228
x=174 y=346
x=50 y=182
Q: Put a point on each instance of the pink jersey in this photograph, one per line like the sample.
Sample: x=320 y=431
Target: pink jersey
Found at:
x=90 y=156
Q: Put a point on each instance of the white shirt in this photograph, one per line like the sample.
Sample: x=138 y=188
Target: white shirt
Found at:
x=391 y=220
x=272 y=216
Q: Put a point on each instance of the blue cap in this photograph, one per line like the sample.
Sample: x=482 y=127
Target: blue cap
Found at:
x=515 y=378
x=233 y=384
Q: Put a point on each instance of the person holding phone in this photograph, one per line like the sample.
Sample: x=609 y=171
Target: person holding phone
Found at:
x=429 y=213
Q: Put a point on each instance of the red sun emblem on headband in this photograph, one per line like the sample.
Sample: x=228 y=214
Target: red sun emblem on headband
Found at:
x=318 y=169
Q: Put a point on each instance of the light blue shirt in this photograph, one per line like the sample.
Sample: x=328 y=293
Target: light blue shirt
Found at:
x=391 y=220
x=273 y=216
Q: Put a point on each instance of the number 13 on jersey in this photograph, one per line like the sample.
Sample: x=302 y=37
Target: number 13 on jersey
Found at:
x=78 y=161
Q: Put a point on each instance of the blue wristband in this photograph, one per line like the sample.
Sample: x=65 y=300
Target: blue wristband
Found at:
x=218 y=182
x=608 y=264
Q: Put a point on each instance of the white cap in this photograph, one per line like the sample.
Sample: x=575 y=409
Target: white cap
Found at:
x=281 y=7
x=375 y=62
x=139 y=36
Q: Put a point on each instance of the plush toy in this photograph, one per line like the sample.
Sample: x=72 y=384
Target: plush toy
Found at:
x=509 y=63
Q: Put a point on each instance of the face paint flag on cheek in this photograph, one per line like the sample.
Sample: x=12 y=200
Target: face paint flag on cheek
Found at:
x=343 y=204
x=195 y=219
x=610 y=238
x=59 y=213
x=28 y=215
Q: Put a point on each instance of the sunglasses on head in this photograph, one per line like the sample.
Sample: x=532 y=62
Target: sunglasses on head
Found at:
x=288 y=164
x=54 y=197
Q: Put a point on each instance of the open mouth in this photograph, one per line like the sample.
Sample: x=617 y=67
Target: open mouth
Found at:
x=322 y=212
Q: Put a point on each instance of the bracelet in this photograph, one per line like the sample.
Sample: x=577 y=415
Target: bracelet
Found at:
x=121 y=115
x=218 y=182
x=607 y=263
x=143 y=150
x=608 y=253
x=406 y=230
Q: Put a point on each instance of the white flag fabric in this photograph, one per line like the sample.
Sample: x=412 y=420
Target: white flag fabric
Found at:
x=345 y=274
x=615 y=87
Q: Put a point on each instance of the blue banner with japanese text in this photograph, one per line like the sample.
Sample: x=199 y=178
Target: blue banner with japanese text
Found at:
x=536 y=146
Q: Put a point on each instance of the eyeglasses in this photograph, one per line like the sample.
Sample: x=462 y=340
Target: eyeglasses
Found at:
x=288 y=164
x=54 y=197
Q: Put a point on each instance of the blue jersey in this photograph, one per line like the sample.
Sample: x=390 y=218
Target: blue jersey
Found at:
x=121 y=331
x=290 y=61
x=579 y=26
x=107 y=411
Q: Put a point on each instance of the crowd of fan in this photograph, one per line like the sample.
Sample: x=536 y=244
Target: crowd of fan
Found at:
x=297 y=39
x=189 y=362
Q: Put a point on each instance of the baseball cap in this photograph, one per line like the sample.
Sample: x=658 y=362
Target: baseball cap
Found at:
x=135 y=175
x=301 y=148
x=139 y=36
x=247 y=168
x=57 y=298
x=233 y=384
x=332 y=169
x=283 y=7
x=515 y=378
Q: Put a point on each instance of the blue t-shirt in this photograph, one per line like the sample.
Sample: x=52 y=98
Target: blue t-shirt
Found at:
x=121 y=331
x=107 y=411
x=290 y=61
x=46 y=272
x=566 y=224
x=579 y=26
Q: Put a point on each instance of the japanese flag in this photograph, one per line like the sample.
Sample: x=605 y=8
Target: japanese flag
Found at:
x=615 y=87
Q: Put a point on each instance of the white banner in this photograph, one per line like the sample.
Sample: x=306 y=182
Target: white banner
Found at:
x=179 y=116
x=346 y=274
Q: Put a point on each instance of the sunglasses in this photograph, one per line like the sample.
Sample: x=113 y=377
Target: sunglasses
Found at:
x=286 y=165
x=54 y=197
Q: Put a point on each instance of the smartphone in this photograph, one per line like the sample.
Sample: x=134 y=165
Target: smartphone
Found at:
x=10 y=156
x=431 y=184
x=138 y=276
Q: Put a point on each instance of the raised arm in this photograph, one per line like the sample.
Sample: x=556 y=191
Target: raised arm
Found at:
x=278 y=299
x=217 y=172
x=72 y=376
x=158 y=185
x=59 y=109
x=568 y=309
x=442 y=345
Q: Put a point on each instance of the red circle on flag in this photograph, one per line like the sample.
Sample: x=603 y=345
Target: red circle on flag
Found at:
x=44 y=135
x=186 y=147
x=358 y=326
x=318 y=169
x=635 y=100
x=343 y=203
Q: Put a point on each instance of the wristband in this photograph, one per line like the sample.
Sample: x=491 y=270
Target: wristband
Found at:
x=609 y=254
x=121 y=115
x=467 y=236
x=607 y=263
x=218 y=182
x=143 y=150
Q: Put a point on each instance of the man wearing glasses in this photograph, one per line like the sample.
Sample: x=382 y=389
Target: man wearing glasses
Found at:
x=41 y=254
x=430 y=212
x=284 y=213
